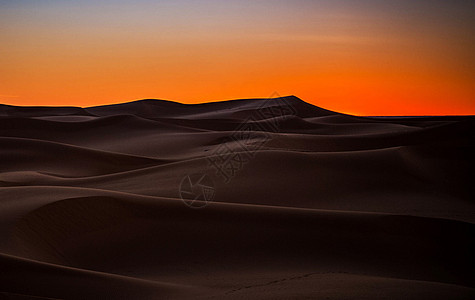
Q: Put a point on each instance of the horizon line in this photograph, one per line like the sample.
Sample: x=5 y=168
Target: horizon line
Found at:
x=230 y=100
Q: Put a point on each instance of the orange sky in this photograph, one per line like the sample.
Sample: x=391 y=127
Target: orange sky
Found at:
x=374 y=58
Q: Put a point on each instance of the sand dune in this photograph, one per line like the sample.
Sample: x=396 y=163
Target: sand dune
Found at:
x=319 y=204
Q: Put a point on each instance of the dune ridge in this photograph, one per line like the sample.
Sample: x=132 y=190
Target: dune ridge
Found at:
x=321 y=204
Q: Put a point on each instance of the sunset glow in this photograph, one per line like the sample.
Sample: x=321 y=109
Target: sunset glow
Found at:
x=360 y=57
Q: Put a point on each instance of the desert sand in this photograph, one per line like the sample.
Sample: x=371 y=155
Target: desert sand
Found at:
x=299 y=202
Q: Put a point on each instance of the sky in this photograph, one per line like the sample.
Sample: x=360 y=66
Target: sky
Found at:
x=363 y=57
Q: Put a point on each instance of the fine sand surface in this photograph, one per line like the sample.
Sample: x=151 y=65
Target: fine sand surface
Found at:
x=310 y=203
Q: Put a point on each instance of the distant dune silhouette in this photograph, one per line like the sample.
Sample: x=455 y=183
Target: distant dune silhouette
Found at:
x=301 y=202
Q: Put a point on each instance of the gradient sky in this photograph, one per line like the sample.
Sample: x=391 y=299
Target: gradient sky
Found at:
x=366 y=57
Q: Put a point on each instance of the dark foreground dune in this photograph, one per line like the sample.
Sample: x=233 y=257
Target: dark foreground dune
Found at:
x=296 y=202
